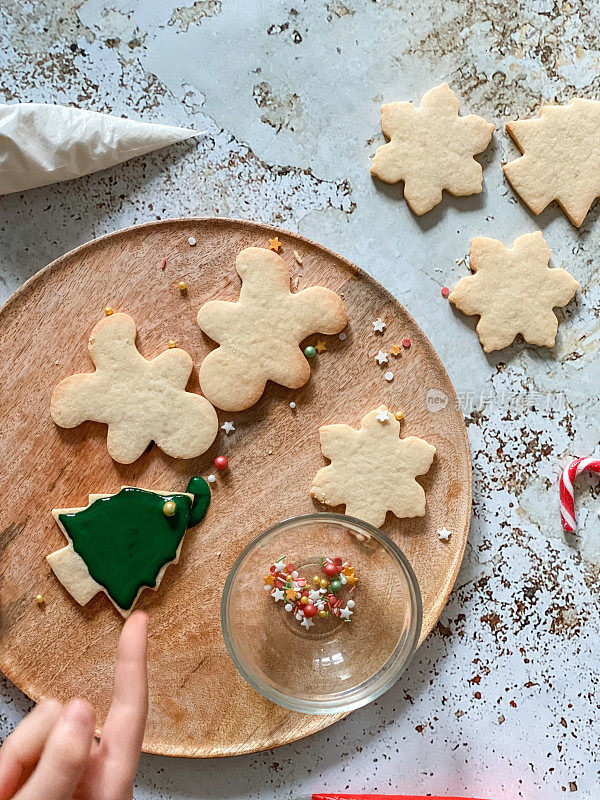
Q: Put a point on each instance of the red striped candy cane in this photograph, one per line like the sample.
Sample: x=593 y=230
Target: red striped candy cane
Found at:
x=567 y=500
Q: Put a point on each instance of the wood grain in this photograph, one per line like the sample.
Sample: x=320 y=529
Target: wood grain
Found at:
x=199 y=705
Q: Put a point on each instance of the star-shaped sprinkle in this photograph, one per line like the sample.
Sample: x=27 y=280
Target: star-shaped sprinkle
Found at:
x=269 y=580
x=320 y=346
x=314 y=595
x=431 y=148
x=396 y=350
x=372 y=470
x=381 y=357
x=260 y=333
x=346 y=613
x=140 y=400
x=307 y=623
x=378 y=325
x=561 y=153
x=290 y=594
x=228 y=427
x=513 y=291
x=383 y=415
x=275 y=245
x=444 y=534
x=278 y=594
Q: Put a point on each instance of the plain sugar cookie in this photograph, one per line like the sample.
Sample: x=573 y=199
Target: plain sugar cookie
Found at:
x=513 y=291
x=373 y=470
x=141 y=401
x=431 y=148
x=561 y=158
x=259 y=335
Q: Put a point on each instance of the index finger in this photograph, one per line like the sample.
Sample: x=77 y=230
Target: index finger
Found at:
x=123 y=731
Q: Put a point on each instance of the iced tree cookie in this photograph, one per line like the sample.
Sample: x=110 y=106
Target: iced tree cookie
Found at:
x=431 y=149
x=513 y=291
x=121 y=543
x=373 y=470
x=259 y=335
x=561 y=158
x=142 y=401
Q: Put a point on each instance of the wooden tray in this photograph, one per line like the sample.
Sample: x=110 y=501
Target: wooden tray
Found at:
x=199 y=705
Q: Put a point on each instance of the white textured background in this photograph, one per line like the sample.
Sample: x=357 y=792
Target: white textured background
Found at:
x=502 y=700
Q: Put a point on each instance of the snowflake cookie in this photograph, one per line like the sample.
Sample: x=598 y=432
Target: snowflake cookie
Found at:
x=513 y=291
x=259 y=335
x=431 y=148
x=372 y=469
x=141 y=401
x=121 y=543
x=561 y=158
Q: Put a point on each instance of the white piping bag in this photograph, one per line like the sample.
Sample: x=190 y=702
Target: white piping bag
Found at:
x=42 y=144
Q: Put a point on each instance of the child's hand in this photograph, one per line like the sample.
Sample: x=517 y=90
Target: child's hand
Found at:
x=52 y=753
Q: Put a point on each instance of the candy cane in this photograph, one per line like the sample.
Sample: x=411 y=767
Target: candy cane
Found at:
x=567 y=501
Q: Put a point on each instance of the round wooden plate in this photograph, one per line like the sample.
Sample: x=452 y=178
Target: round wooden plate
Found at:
x=199 y=706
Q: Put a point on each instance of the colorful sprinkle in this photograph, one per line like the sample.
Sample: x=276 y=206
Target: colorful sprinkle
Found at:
x=164 y=263
x=395 y=350
x=342 y=336
x=191 y=241
x=444 y=534
x=445 y=291
x=169 y=508
x=406 y=343
x=292 y=405
x=109 y=310
x=182 y=286
x=389 y=376
x=39 y=599
x=381 y=357
x=275 y=245
x=320 y=347
x=310 y=351
x=378 y=325
x=211 y=478
x=221 y=462
x=399 y=415
x=172 y=343
x=305 y=604
x=228 y=427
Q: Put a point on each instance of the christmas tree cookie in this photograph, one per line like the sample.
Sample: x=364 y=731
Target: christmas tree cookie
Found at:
x=141 y=401
x=121 y=543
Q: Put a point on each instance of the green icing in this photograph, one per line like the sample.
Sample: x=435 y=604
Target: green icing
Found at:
x=201 y=491
x=125 y=539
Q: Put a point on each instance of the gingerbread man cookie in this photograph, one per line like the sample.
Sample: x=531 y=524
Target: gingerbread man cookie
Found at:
x=141 y=401
x=431 y=148
x=561 y=158
x=259 y=335
x=513 y=291
x=372 y=469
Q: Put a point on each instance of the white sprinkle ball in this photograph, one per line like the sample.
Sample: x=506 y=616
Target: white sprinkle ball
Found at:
x=267 y=587
x=288 y=606
x=211 y=479
x=292 y=405
x=295 y=574
x=342 y=336
x=389 y=376
x=191 y=241
x=350 y=604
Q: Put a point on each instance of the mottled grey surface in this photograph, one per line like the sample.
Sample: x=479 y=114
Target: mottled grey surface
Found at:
x=502 y=699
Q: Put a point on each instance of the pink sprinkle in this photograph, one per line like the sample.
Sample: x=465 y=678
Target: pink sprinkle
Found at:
x=164 y=263
x=445 y=291
x=406 y=343
x=352 y=589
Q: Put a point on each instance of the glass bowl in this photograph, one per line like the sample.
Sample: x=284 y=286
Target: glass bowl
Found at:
x=334 y=666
